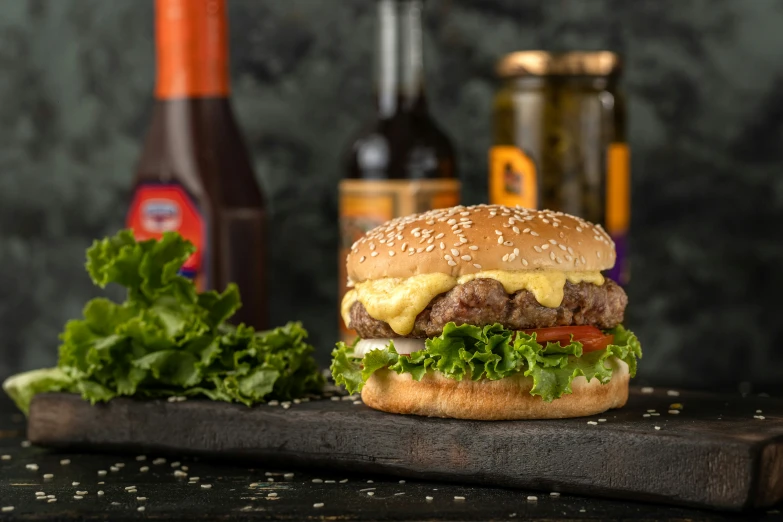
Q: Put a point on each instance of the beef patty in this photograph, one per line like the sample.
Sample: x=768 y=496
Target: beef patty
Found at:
x=484 y=301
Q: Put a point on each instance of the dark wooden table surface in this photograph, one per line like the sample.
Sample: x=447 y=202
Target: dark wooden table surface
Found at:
x=83 y=486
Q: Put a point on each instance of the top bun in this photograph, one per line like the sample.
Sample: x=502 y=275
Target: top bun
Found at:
x=465 y=240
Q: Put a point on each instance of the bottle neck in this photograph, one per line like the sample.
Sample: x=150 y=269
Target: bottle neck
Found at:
x=192 y=49
x=400 y=64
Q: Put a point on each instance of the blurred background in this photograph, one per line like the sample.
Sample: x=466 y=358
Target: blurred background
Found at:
x=704 y=84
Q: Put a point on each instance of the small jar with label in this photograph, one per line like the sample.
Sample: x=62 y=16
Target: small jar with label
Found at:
x=559 y=140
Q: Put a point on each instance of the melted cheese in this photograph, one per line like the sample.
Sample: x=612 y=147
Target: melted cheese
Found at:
x=545 y=285
x=397 y=302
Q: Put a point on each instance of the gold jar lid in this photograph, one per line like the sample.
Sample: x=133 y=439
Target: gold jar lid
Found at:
x=544 y=63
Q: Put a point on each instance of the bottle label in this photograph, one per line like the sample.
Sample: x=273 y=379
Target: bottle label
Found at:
x=618 y=206
x=512 y=177
x=366 y=204
x=192 y=49
x=159 y=208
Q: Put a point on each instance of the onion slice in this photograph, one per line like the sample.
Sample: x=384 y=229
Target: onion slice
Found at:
x=401 y=344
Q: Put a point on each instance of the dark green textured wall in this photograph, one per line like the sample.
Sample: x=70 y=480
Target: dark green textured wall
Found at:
x=704 y=81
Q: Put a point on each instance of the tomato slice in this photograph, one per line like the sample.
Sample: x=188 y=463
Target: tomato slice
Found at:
x=592 y=338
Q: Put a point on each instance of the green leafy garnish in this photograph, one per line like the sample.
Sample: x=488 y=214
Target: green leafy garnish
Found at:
x=168 y=339
x=491 y=352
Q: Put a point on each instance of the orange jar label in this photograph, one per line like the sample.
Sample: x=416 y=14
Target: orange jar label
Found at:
x=192 y=50
x=366 y=204
x=618 y=206
x=156 y=209
x=512 y=177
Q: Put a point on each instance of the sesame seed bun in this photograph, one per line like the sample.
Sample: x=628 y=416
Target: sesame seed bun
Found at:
x=504 y=399
x=466 y=240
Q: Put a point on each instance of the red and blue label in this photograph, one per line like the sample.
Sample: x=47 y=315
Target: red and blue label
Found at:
x=159 y=208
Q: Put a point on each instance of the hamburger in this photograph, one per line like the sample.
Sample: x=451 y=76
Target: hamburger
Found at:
x=486 y=312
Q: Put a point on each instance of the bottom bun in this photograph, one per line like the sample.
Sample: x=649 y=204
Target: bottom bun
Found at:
x=504 y=399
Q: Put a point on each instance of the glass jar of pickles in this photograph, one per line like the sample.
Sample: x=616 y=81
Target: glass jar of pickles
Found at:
x=559 y=140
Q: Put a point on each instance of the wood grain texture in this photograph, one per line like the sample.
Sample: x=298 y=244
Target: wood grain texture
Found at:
x=713 y=454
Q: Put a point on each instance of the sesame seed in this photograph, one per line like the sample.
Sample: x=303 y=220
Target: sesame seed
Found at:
x=78 y=497
x=452 y=263
x=459 y=498
x=552 y=256
x=428 y=499
x=101 y=472
x=477 y=265
x=500 y=240
x=533 y=233
x=26 y=444
x=553 y=241
x=7 y=509
x=372 y=246
x=48 y=475
x=82 y=492
x=526 y=231
x=473 y=247
x=317 y=481
x=505 y=258
x=454 y=251
x=759 y=417
x=498 y=232
x=562 y=247
x=143 y=469
x=391 y=253
x=463 y=239
x=601 y=420
x=75 y=483
x=757 y=411
x=65 y=462
x=430 y=248
x=511 y=257
x=140 y=508
x=206 y=486
x=440 y=235
x=583 y=259
x=442 y=246
x=40 y=494
x=645 y=414
x=537 y=248
x=544 y=247
x=373 y=254
x=657 y=427
x=515 y=229
x=371 y=493
x=5 y=457
x=648 y=389
x=51 y=500
x=361 y=259
x=532 y=498
x=466 y=258
x=524 y=261
x=598 y=254
x=141 y=499
x=100 y=493
x=33 y=467
x=592 y=423
x=674 y=412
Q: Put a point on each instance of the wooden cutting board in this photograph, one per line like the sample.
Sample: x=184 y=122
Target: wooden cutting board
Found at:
x=714 y=453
